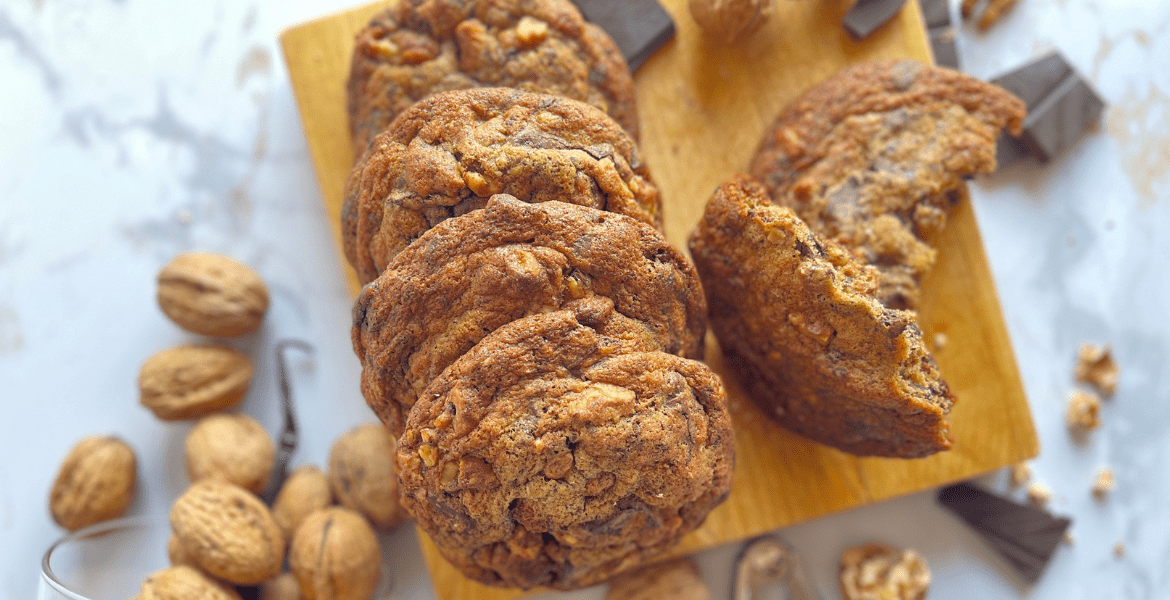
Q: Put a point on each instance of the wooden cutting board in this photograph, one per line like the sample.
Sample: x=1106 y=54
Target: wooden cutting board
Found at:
x=703 y=108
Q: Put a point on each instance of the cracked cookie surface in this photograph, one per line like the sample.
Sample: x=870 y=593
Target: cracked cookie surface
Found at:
x=874 y=156
x=800 y=322
x=470 y=275
x=564 y=448
x=420 y=47
x=446 y=155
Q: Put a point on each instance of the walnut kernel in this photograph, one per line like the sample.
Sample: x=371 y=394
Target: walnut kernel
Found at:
x=879 y=572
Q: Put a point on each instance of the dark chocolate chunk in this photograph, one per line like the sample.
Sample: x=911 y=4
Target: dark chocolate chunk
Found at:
x=638 y=27
x=1061 y=105
x=1061 y=118
x=936 y=13
x=868 y=15
x=1024 y=535
x=942 y=45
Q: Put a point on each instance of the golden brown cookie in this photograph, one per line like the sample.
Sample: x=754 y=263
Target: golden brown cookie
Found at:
x=562 y=449
x=800 y=322
x=471 y=275
x=421 y=47
x=448 y=154
x=873 y=158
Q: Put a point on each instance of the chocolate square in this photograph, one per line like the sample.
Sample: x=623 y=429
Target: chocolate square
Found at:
x=1024 y=535
x=868 y=15
x=942 y=45
x=638 y=27
x=1034 y=81
x=936 y=13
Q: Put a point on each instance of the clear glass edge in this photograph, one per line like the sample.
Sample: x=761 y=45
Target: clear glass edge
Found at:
x=47 y=575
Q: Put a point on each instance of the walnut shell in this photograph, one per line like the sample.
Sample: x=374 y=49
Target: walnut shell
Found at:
x=177 y=554
x=284 y=587
x=234 y=448
x=184 y=583
x=95 y=483
x=730 y=20
x=361 y=470
x=229 y=532
x=676 y=579
x=212 y=295
x=335 y=556
x=305 y=491
x=191 y=381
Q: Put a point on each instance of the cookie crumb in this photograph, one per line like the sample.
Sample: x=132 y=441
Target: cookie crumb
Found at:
x=1104 y=483
x=1119 y=549
x=1068 y=538
x=940 y=341
x=993 y=11
x=876 y=571
x=1083 y=410
x=1039 y=494
x=1095 y=366
x=1021 y=473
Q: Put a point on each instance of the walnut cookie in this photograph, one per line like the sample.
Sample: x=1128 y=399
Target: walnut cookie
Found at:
x=446 y=155
x=800 y=322
x=473 y=274
x=421 y=47
x=873 y=158
x=564 y=448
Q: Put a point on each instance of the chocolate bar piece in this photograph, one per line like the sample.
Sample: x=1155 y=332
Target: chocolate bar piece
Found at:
x=936 y=13
x=942 y=45
x=1061 y=105
x=638 y=27
x=868 y=15
x=1024 y=535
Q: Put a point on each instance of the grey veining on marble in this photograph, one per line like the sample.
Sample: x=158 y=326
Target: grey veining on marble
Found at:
x=131 y=131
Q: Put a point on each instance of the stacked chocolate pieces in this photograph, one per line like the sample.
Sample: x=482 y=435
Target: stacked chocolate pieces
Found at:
x=526 y=331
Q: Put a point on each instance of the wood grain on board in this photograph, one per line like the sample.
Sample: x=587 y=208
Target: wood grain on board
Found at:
x=703 y=108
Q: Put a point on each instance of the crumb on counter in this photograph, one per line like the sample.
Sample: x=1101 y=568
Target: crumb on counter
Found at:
x=1096 y=367
x=1039 y=494
x=1104 y=484
x=1084 y=409
x=1020 y=473
x=879 y=572
x=1068 y=538
x=1119 y=549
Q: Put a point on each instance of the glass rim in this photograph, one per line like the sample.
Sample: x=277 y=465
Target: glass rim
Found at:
x=50 y=578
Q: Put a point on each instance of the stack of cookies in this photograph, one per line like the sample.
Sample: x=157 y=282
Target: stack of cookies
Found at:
x=525 y=330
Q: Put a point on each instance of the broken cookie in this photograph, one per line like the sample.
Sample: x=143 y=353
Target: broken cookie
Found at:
x=873 y=158
x=800 y=322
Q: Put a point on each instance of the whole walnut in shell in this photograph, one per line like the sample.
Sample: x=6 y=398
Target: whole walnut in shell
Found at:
x=95 y=483
x=304 y=492
x=335 y=556
x=212 y=295
x=730 y=20
x=184 y=583
x=234 y=448
x=191 y=381
x=361 y=470
x=282 y=587
x=229 y=532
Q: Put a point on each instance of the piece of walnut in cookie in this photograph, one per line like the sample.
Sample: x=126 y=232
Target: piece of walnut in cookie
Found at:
x=416 y=48
x=563 y=448
x=446 y=155
x=874 y=157
x=799 y=321
x=473 y=274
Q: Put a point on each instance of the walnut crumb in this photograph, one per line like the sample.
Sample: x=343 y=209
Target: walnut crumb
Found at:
x=1039 y=494
x=1021 y=473
x=878 y=572
x=1119 y=549
x=1095 y=366
x=1083 y=410
x=1067 y=538
x=1104 y=483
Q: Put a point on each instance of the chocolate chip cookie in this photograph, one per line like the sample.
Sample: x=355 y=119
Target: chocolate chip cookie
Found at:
x=447 y=154
x=563 y=448
x=469 y=275
x=417 y=48
x=800 y=322
x=873 y=158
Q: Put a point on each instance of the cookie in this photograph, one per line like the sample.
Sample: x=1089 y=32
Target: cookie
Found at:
x=874 y=156
x=470 y=275
x=421 y=47
x=561 y=450
x=799 y=321
x=447 y=154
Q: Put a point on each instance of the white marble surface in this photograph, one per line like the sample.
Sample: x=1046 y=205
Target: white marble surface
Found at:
x=131 y=131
